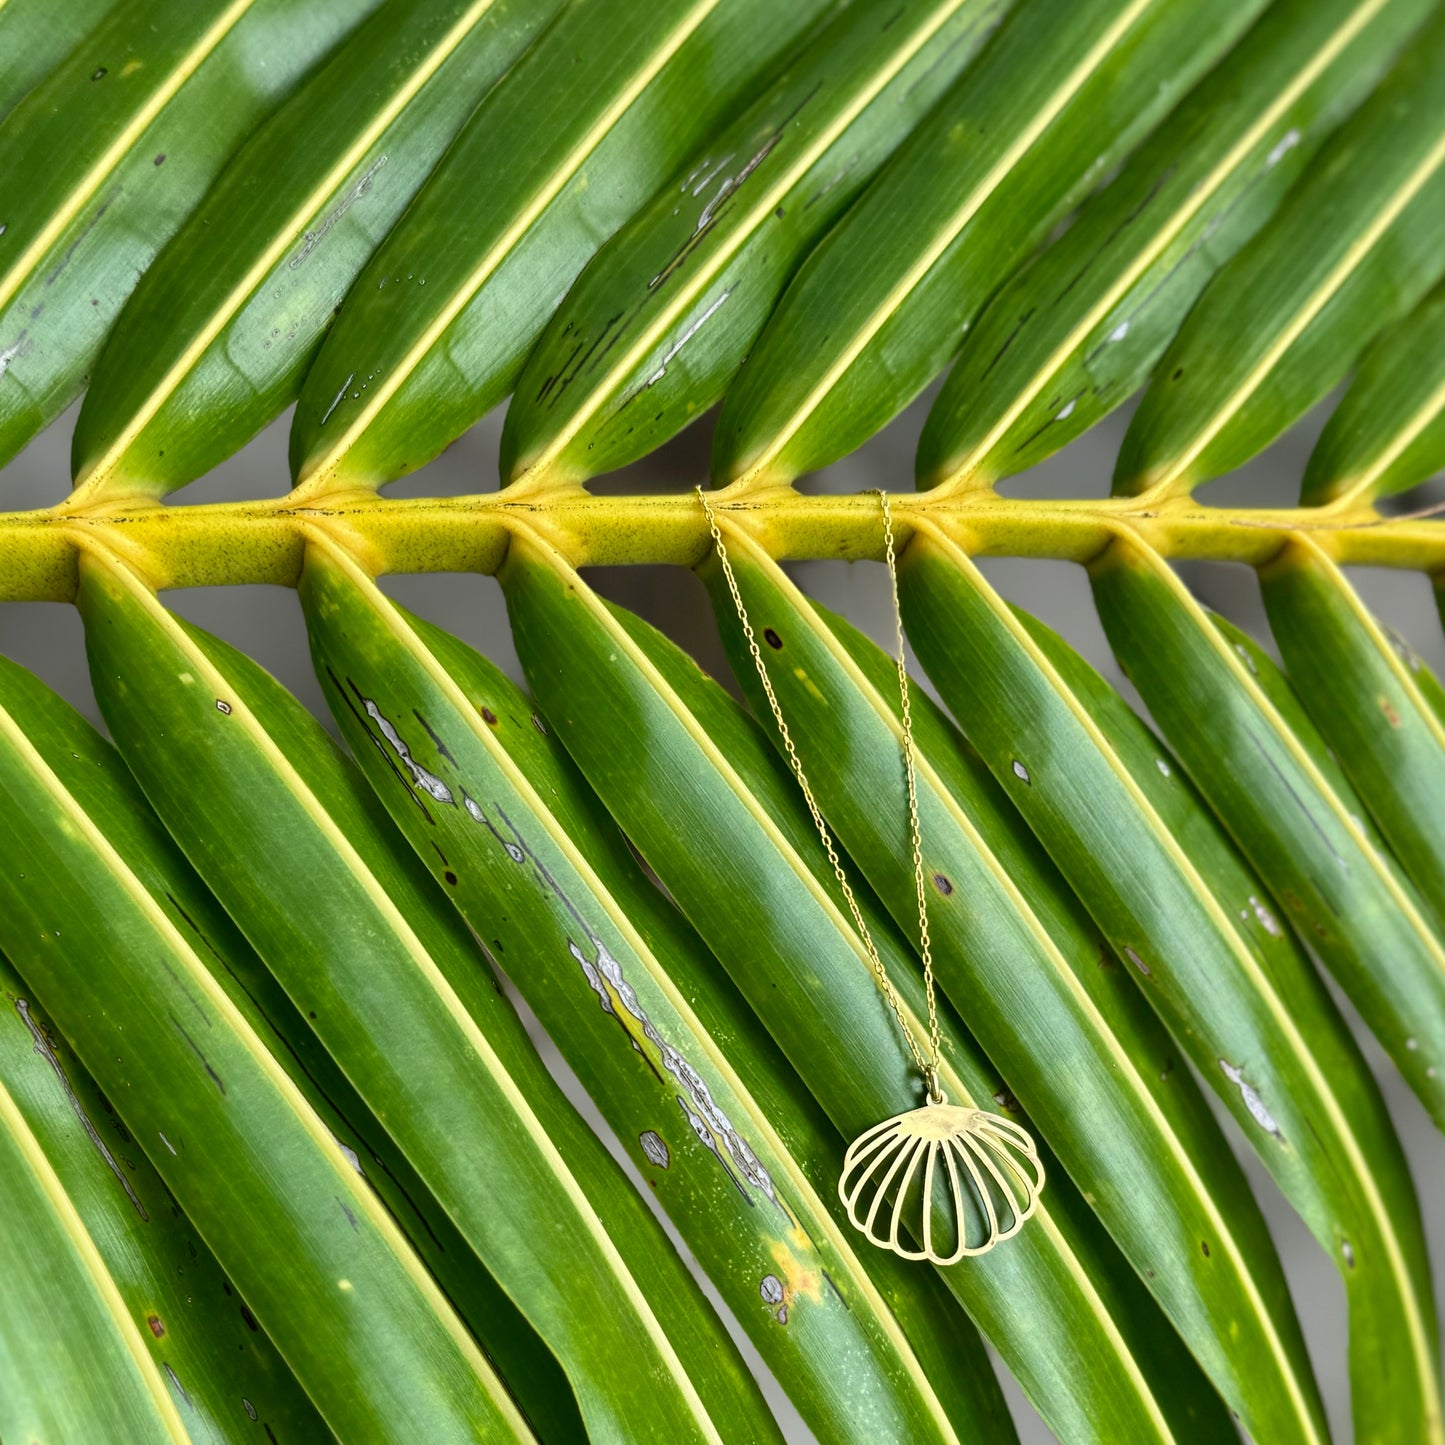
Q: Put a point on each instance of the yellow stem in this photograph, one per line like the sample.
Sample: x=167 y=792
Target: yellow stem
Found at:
x=230 y=543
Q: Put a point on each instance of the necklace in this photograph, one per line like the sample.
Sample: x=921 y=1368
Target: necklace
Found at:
x=957 y=1180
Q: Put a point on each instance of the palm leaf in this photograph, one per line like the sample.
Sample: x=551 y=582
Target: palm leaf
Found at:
x=402 y=1004
x=737 y=836
x=1366 y=703
x=1387 y=434
x=353 y=143
x=1129 y=1144
x=312 y=1253
x=105 y=158
x=220 y=1375
x=1340 y=890
x=1362 y=230
x=408 y=369
x=1075 y=334
x=655 y=327
x=72 y=1352
x=279 y=1152
x=1022 y=136
x=740 y=1175
x=35 y=35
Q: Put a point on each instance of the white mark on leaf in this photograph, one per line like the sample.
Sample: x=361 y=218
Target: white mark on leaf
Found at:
x=1252 y=1101
x=1267 y=920
x=427 y=781
x=337 y=399
x=682 y=340
x=1286 y=143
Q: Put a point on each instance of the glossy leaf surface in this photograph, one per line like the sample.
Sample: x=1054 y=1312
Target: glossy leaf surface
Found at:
x=1388 y=432
x=738 y=852
x=1251 y=750
x=655 y=327
x=310 y=1250
x=1354 y=246
x=1304 y=1091
x=221 y=1375
x=648 y=1021
x=1074 y=334
x=1368 y=708
x=108 y=155
x=1018 y=957
x=404 y=1003
x=70 y=1352
x=230 y=314
x=1197 y=933
x=1057 y=99
x=35 y=35
x=608 y=103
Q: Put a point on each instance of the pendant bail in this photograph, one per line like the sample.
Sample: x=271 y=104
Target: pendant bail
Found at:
x=933 y=1090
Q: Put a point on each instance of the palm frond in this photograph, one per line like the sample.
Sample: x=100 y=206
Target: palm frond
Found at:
x=277 y=1148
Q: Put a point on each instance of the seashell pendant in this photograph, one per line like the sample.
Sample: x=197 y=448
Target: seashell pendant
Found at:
x=958 y=1181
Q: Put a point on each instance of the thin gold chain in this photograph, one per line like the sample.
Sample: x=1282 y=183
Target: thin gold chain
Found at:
x=928 y=1065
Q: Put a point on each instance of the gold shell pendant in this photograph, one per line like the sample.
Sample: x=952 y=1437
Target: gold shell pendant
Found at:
x=959 y=1181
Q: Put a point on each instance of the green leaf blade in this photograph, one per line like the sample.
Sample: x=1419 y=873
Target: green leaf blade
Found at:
x=1388 y=432
x=1343 y=1169
x=105 y=159
x=1240 y=1000
x=579 y=926
x=217 y=336
x=406 y=370
x=160 y=1268
x=35 y=35
x=70 y=1354
x=1364 y=700
x=1265 y=772
x=738 y=852
x=1075 y=333
x=1353 y=247
x=654 y=329
x=369 y=1337
x=1151 y=1159
x=404 y=1003
x=1058 y=97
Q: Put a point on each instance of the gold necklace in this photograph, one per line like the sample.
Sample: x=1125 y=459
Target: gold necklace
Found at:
x=991 y=1173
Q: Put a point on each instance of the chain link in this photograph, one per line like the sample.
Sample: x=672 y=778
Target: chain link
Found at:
x=928 y=1064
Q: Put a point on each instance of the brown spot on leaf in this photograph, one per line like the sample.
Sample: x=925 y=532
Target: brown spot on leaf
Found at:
x=489 y=717
x=772 y=639
x=158 y=1329
x=943 y=883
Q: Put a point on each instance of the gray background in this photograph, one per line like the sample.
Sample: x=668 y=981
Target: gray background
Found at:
x=266 y=622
